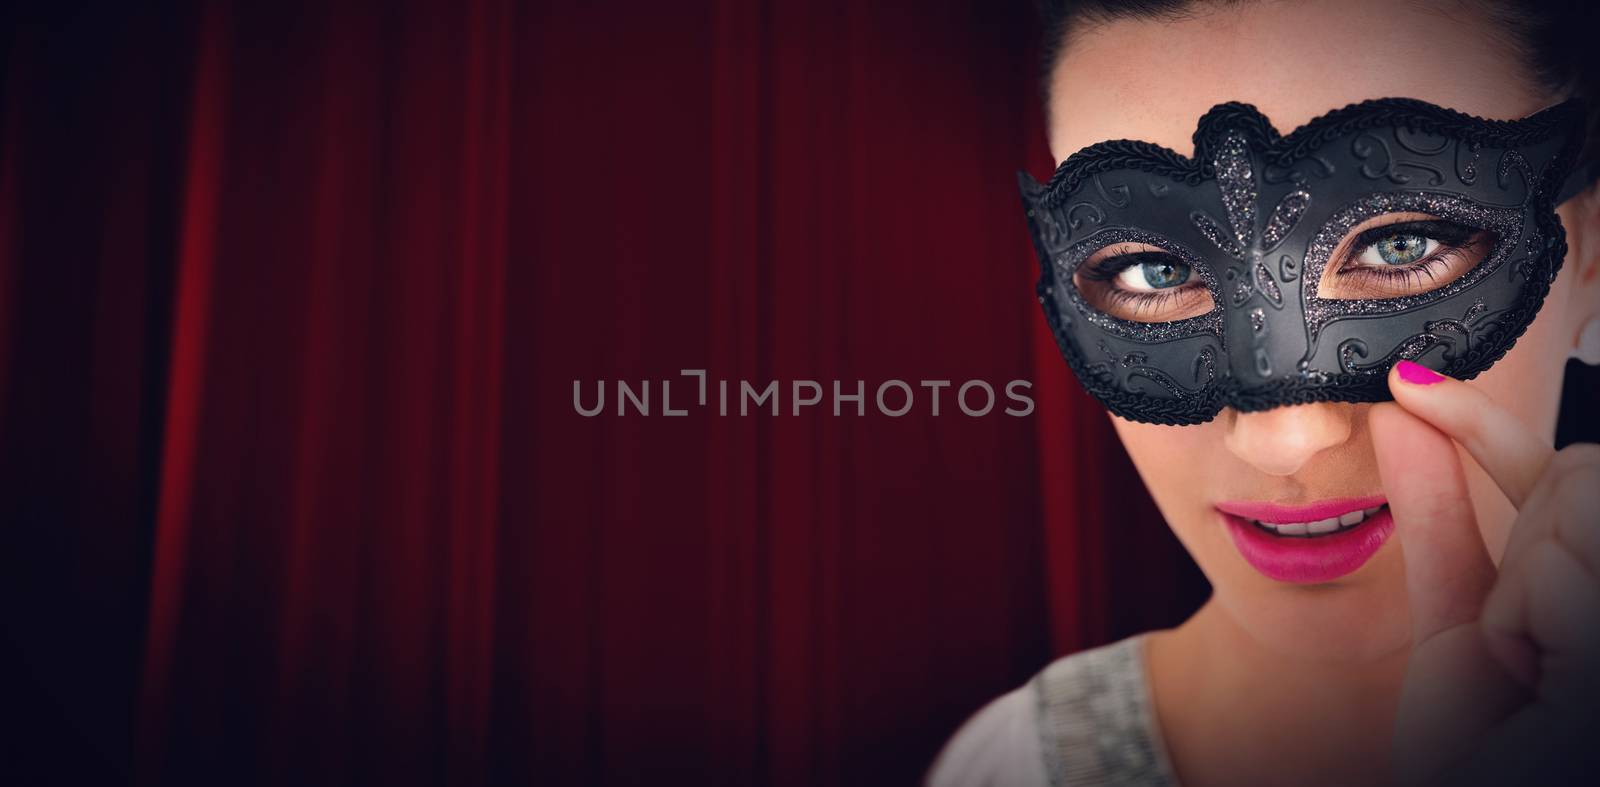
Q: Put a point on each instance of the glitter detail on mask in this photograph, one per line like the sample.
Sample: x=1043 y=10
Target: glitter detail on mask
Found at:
x=1216 y=234
x=1353 y=351
x=1408 y=147
x=1267 y=285
x=1454 y=335
x=1467 y=171
x=1206 y=361
x=1537 y=244
x=1510 y=160
x=1137 y=366
x=1505 y=223
x=1241 y=288
x=1238 y=185
x=1284 y=217
x=1066 y=264
x=1164 y=380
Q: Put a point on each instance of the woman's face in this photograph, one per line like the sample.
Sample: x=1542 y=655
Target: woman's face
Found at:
x=1151 y=81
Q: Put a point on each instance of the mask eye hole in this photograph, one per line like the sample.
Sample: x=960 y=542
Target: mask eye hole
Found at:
x=1142 y=283
x=1401 y=254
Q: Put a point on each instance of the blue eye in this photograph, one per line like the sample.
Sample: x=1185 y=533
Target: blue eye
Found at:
x=1144 y=284
x=1408 y=243
x=1402 y=248
x=1162 y=273
x=1166 y=274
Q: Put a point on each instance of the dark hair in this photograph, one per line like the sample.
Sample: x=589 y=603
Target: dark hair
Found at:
x=1554 y=38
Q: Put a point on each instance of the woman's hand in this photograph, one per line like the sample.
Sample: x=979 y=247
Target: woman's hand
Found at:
x=1503 y=682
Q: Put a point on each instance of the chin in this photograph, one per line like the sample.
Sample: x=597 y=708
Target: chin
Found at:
x=1359 y=618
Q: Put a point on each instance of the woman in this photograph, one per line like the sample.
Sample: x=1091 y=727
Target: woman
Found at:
x=1403 y=591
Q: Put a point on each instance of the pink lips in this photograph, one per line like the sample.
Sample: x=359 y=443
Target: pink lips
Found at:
x=1321 y=558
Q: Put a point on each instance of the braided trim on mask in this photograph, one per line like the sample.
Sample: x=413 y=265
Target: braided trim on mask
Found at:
x=1203 y=407
x=1109 y=391
x=1281 y=151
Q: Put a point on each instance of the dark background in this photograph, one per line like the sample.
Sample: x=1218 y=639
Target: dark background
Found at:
x=291 y=303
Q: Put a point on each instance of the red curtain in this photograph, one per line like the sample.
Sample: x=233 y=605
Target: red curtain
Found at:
x=294 y=299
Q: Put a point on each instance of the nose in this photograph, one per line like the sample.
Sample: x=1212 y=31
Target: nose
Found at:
x=1281 y=440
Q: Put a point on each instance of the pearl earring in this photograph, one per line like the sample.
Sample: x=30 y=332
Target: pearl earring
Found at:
x=1588 y=349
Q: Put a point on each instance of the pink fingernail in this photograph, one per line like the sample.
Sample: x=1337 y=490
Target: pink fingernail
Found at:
x=1417 y=374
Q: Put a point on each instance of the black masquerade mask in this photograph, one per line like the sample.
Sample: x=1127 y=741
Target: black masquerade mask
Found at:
x=1274 y=270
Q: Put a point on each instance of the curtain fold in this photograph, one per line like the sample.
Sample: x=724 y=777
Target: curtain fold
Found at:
x=294 y=301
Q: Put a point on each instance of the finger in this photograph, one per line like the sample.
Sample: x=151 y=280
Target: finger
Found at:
x=1548 y=604
x=1575 y=475
x=1448 y=571
x=1504 y=626
x=1564 y=504
x=1507 y=449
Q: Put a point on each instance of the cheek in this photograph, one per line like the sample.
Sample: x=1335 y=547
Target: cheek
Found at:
x=1165 y=458
x=1164 y=453
x=1527 y=381
x=1184 y=490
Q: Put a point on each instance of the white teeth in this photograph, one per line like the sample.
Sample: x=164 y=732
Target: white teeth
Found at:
x=1323 y=525
x=1329 y=525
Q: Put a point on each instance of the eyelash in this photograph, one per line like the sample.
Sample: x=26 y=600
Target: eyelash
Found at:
x=1454 y=241
x=1140 y=302
x=1409 y=274
x=1107 y=270
x=1109 y=267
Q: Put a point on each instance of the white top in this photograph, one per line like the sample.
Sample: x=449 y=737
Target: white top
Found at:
x=1085 y=719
